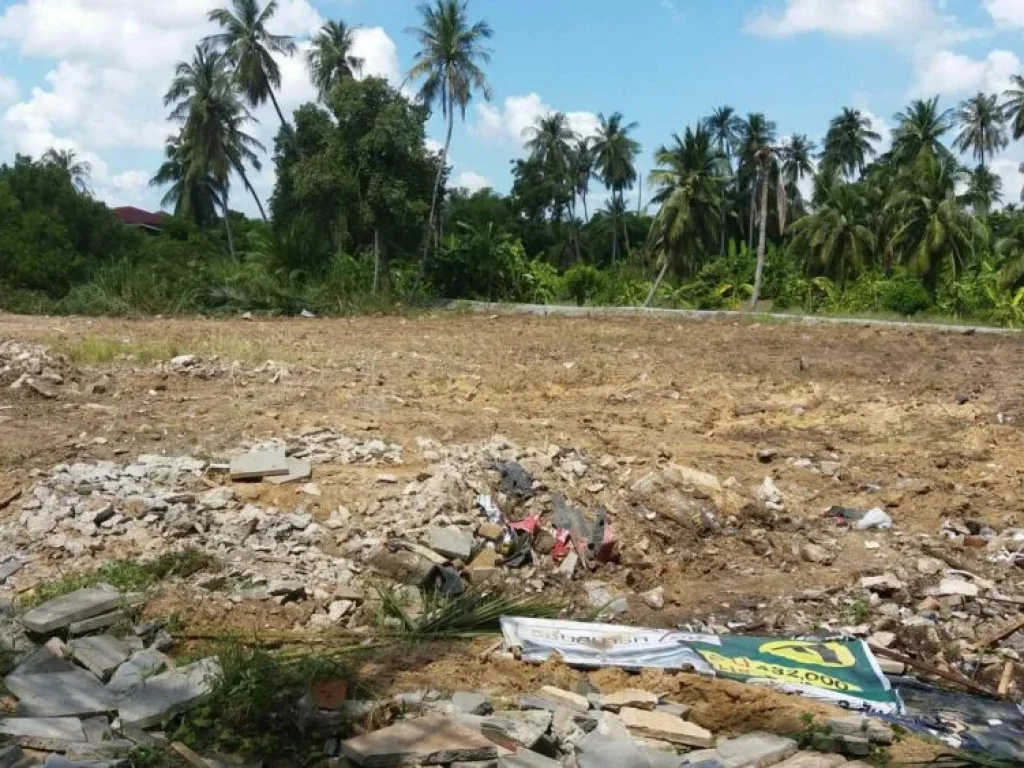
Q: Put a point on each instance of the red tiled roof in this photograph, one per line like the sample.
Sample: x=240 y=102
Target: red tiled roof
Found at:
x=136 y=217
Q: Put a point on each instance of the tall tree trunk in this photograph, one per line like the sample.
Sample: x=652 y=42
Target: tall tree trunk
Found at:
x=625 y=224
x=750 y=229
x=586 y=216
x=376 y=260
x=654 y=288
x=640 y=195
x=761 y=242
x=615 y=233
x=575 y=230
x=437 y=190
x=280 y=114
x=245 y=180
x=227 y=226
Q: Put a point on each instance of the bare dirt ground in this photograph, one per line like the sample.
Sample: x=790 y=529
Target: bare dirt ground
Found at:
x=881 y=403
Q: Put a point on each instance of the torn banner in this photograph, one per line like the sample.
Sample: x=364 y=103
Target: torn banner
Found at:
x=843 y=672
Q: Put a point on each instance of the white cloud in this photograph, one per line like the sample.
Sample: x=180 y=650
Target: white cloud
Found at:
x=473 y=182
x=433 y=145
x=852 y=18
x=1008 y=13
x=882 y=128
x=953 y=74
x=508 y=123
x=1007 y=168
x=9 y=89
x=379 y=54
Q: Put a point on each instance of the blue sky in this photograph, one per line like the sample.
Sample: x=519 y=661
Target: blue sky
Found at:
x=88 y=74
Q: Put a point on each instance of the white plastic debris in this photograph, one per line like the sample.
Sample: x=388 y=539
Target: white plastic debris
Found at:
x=874 y=519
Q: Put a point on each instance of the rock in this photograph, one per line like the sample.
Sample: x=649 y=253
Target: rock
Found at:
x=141 y=666
x=631 y=697
x=101 y=654
x=526 y=759
x=812 y=760
x=472 y=703
x=259 y=464
x=451 y=542
x=423 y=741
x=297 y=470
x=756 y=750
x=930 y=566
x=884 y=584
x=567 y=699
x=864 y=727
x=882 y=639
x=767 y=455
x=655 y=598
x=483 y=567
x=490 y=531
x=510 y=728
x=169 y=693
x=658 y=725
x=217 y=498
x=813 y=553
x=54 y=733
x=855 y=746
x=339 y=609
x=830 y=468
x=311 y=489
x=956 y=586
x=598 y=751
x=769 y=495
x=890 y=667
x=11 y=756
x=674 y=709
x=185 y=361
x=59 y=694
x=102 y=621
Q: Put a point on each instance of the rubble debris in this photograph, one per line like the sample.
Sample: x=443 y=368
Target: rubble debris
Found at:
x=259 y=464
x=590 y=531
x=298 y=470
x=63 y=693
x=658 y=725
x=629 y=697
x=423 y=741
x=516 y=482
x=100 y=654
x=77 y=606
x=52 y=733
x=451 y=542
x=163 y=695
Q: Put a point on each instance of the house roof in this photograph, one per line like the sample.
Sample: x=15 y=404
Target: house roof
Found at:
x=136 y=217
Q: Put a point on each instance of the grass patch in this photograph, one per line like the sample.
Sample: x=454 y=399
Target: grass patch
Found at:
x=125 y=575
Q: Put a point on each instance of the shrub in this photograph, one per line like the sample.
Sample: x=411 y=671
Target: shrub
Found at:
x=582 y=282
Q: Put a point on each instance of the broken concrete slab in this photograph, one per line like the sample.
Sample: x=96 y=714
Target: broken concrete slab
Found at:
x=630 y=697
x=59 y=694
x=756 y=750
x=101 y=654
x=512 y=729
x=82 y=604
x=658 y=725
x=674 y=709
x=259 y=464
x=812 y=760
x=423 y=741
x=169 y=693
x=141 y=666
x=97 y=729
x=298 y=470
x=451 y=542
x=598 y=751
x=526 y=759
x=42 y=732
x=97 y=622
x=47 y=658
x=472 y=703
x=561 y=698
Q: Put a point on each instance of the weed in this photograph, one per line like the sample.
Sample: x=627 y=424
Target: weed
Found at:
x=858 y=612
x=154 y=757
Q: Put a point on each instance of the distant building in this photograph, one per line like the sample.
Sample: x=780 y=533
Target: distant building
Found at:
x=136 y=217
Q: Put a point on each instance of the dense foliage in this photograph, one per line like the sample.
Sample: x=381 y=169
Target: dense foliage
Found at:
x=363 y=213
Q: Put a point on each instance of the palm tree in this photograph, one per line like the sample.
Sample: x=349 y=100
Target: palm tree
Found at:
x=250 y=48
x=330 y=57
x=1013 y=107
x=726 y=129
x=920 y=130
x=767 y=159
x=983 y=127
x=194 y=195
x=549 y=140
x=758 y=131
x=689 y=180
x=581 y=166
x=212 y=117
x=849 y=142
x=797 y=154
x=984 y=190
x=78 y=171
x=615 y=159
x=837 y=239
x=449 y=63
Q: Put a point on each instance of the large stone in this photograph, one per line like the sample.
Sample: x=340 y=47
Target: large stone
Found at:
x=885 y=583
x=139 y=668
x=952 y=585
x=658 y=725
x=424 y=741
x=259 y=464
x=102 y=621
x=42 y=732
x=631 y=697
x=101 y=654
x=865 y=727
x=598 y=751
x=562 y=698
x=59 y=612
x=59 y=694
x=812 y=760
x=167 y=694
x=471 y=703
x=298 y=470
x=526 y=759
x=451 y=542
x=756 y=750
x=512 y=729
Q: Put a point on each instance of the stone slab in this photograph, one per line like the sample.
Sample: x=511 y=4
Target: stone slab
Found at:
x=756 y=750
x=562 y=698
x=658 y=725
x=258 y=464
x=451 y=542
x=472 y=703
x=141 y=666
x=812 y=760
x=597 y=751
x=298 y=470
x=42 y=732
x=424 y=741
x=60 y=612
x=164 y=695
x=631 y=697
x=97 y=729
x=102 y=621
x=526 y=759
x=101 y=654
x=60 y=694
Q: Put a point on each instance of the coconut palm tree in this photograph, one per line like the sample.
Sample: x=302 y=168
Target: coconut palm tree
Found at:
x=849 y=143
x=797 y=156
x=212 y=118
x=330 y=57
x=919 y=130
x=837 y=240
x=615 y=160
x=758 y=131
x=982 y=127
x=726 y=129
x=549 y=140
x=581 y=165
x=250 y=48
x=767 y=159
x=449 y=63
x=689 y=180
x=984 y=190
x=78 y=171
x=193 y=195
x=1013 y=107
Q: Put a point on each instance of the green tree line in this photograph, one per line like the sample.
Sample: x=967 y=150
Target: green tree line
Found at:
x=363 y=213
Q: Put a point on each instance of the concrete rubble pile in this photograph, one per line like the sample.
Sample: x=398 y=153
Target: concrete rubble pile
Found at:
x=88 y=680
x=198 y=367
x=33 y=369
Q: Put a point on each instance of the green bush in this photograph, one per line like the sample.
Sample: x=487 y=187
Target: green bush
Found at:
x=582 y=282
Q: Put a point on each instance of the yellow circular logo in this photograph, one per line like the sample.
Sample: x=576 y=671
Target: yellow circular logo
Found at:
x=811 y=653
